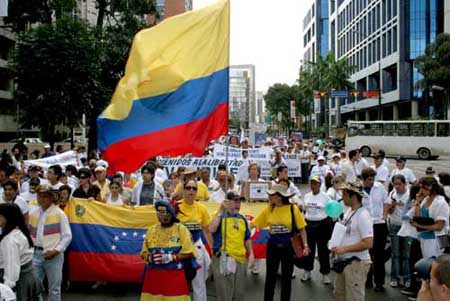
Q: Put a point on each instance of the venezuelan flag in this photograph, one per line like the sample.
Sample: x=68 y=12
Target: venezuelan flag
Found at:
x=107 y=241
x=173 y=98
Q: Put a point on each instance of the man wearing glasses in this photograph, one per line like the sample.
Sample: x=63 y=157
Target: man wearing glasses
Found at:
x=86 y=190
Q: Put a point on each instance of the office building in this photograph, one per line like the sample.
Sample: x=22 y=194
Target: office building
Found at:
x=316 y=43
x=260 y=107
x=381 y=39
x=242 y=99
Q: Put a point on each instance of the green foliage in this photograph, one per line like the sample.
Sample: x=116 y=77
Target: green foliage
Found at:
x=434 y=65
x=278 y=99
x=57 y=68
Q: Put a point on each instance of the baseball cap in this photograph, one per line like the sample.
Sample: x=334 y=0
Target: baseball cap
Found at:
x=315 y=179
x=321 y=158
x=233 y=196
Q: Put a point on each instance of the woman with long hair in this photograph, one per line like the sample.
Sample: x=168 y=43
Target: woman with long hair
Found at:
x=278 y=217
x=433 y=206
x=16 y=253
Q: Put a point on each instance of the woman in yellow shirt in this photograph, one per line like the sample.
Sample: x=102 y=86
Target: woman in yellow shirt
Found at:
x=166 y=248
x=277 y=217
x=196 y=218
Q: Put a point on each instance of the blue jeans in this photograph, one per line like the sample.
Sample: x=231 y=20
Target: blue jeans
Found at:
x=400 y=254
x=53 y=270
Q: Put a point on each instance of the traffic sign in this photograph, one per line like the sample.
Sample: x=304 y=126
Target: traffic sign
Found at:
x=339 y=93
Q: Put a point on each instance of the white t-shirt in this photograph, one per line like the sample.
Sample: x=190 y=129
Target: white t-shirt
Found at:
x=25 y=187
x=382 y=174
x=334 y=194
x=110 y=201
x=375 y=201
x=321 y=171
x=447 y=191
x=305 y=156
x=348 y=171
x=15 y=251
x=396 y=216
x=314 y=206
x=55 y=186
x=336 y=168
x=359 y=227
x=360 y=165
x=386 y=164
x=406 y=172
x=21 y=203
x=28 y=196
x=439 y=211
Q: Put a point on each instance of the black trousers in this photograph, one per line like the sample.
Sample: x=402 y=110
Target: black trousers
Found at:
x=305 y=173
x=275 y=255
x=377 y=271
x=415 y=254
x=319 y=233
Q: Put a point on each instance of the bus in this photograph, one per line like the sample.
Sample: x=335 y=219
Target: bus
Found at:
x=422 y=138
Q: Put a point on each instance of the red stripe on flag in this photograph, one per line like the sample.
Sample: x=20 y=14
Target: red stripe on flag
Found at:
x=86 y=266
x=191 y=137
x=167 y=283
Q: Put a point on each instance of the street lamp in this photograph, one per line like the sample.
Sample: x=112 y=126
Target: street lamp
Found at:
x=379 y=70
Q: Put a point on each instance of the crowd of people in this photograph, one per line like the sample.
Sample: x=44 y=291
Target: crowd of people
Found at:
x=382 y=204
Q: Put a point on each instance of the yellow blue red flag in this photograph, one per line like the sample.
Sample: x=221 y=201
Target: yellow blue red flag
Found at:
x=173 y=98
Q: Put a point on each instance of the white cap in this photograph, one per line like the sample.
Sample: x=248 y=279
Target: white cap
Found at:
x=99 y=168
x=47 y=146
x=336 y=155
x=102 y=163
x=321 y=158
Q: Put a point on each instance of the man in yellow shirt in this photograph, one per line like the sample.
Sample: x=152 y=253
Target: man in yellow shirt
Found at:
x=231 y=243
x=190 y=173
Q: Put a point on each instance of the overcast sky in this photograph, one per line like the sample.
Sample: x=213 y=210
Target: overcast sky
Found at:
x=267 y=33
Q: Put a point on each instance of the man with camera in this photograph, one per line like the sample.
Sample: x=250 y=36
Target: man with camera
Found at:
x=435 y=276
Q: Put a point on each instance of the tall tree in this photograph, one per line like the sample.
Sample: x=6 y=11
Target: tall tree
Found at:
x=57 y=67
x=278 y=99
x=434 y=65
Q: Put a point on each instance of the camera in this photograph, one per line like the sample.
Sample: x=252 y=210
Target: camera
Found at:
x=422 y=268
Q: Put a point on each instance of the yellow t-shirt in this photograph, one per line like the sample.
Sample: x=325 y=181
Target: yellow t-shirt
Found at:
x=231 y=236
x=202 y=191
x=279 y=221
x=176 y=239
x=195 y=217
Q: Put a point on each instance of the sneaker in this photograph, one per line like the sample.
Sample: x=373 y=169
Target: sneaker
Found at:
x=407 y=292
x=306 y=276
x=407 y=284
x=412 y=298
x=326 y=280
x=394 y=283
x=255 y=271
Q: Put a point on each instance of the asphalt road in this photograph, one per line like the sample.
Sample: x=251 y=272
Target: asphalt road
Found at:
x=313 y=290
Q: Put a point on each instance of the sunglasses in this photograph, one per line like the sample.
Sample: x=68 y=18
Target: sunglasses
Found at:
x=192 y=188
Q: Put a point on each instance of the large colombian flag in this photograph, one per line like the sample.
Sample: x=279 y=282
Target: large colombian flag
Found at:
x=107 y=240
x=173 y=98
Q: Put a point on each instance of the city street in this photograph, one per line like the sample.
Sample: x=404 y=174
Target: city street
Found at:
x=313 y=290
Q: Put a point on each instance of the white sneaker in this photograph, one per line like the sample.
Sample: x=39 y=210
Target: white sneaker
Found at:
x=326 y=279
x=306 y=276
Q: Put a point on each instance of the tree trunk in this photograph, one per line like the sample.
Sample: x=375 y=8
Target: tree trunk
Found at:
x=101 y=12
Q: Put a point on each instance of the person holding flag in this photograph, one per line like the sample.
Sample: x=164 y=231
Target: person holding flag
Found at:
x=166 y=247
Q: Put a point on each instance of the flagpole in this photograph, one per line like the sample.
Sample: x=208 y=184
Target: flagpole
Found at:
x=228 y=107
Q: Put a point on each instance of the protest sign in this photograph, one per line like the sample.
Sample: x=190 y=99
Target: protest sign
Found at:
x=236 y=153
x=64 y=159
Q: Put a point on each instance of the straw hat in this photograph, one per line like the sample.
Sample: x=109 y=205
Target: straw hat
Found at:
x=280 y=189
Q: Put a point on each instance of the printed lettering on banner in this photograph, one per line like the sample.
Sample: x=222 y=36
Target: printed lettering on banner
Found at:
x=64 y=159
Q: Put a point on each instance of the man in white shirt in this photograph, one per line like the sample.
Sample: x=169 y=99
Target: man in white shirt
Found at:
x=382 y=171
x=354 y=247
x=361 y=163
x=51 y=234
x=401 y=169
x=10 y=195
x=336 y=165
x=305 y=161
x=348 y=167
x=54 y=172
x=33 y=172
x=321 y=170
x=378 y=204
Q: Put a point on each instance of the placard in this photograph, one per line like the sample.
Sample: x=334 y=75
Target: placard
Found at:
x=256 y=190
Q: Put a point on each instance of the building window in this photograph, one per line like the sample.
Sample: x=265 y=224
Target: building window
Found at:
x=394 y=8
x=384 y=11
x=384 y=45
x=332 y=6
x=389 y=42
x=389 y=10
x=394 y=38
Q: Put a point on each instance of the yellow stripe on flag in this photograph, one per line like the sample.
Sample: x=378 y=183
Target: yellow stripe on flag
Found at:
x=185 y=47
